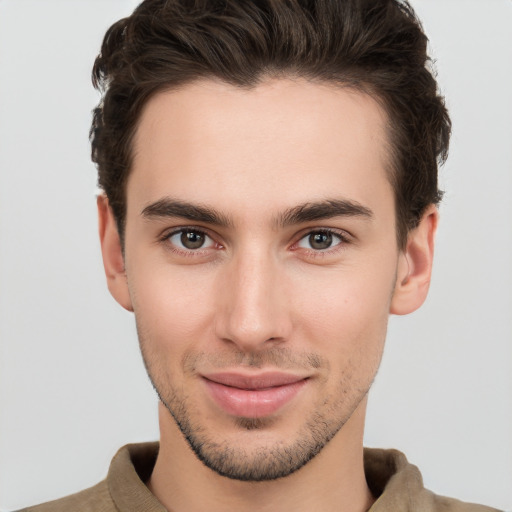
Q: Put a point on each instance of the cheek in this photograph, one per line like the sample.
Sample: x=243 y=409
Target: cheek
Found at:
x=347 y=308
x=171 y=306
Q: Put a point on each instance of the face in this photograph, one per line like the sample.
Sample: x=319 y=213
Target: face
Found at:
x=261 y=262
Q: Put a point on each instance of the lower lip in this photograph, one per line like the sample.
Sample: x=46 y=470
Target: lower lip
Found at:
x=249 y=403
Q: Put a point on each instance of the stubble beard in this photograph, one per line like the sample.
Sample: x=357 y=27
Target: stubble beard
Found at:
x=263 y=464
x=266 y=462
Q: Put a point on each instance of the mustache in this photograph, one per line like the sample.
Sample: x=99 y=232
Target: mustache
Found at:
x=280 y=357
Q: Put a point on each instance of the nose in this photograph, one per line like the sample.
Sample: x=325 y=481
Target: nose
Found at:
x=252 y=310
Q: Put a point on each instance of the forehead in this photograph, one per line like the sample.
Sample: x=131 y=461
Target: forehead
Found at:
x=282 y=142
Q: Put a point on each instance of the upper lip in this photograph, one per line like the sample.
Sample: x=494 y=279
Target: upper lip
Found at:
x=257 y=381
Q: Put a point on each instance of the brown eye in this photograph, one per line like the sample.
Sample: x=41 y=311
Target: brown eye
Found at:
x=320 y=240
x=190 y=239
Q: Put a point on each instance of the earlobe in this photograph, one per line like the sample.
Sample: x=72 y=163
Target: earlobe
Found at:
x=415 y=266
x=113 y=260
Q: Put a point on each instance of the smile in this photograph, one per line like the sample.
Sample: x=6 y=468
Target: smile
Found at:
x=253 y=396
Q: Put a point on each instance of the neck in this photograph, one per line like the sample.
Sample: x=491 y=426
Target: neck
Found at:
x=334 y=480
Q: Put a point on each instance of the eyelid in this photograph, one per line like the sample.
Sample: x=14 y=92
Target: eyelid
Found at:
x=165 y=237
x=344 y=236
x=168 y=232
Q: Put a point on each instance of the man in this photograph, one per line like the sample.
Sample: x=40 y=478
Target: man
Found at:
x=270 y=188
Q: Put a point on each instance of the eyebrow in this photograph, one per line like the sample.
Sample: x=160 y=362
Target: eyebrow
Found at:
x=326 y=209
x=168 y=207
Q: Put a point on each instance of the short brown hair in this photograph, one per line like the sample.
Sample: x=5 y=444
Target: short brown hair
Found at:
x=375 y=46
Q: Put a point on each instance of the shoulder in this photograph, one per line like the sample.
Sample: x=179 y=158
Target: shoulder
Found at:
x=444 y=504
x=398 y=486
x=94 y=499
x=123 y=489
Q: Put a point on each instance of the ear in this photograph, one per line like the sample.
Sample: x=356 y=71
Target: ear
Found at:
x=415 y=265
x=113 y=260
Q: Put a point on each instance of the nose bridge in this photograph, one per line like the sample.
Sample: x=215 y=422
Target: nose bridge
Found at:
x=253 y=310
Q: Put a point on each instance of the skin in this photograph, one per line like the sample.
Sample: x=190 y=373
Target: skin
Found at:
x=261 y=294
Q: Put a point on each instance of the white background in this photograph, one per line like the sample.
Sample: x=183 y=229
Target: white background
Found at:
x=72 y=387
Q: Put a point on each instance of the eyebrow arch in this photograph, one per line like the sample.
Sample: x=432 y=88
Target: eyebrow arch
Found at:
x=326 y=209
x=169 y=207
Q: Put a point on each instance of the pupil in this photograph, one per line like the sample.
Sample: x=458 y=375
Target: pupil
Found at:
x=320 y=240
x=192 y=239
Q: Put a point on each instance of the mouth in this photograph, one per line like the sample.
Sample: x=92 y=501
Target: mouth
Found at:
x=253 y=396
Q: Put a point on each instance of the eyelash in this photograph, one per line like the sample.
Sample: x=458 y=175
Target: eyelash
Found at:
x=165 y=239
x=343 y=237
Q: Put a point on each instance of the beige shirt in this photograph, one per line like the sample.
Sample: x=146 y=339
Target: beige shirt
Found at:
x=397 y=484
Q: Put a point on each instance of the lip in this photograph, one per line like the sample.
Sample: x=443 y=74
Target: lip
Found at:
x=253 y=396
